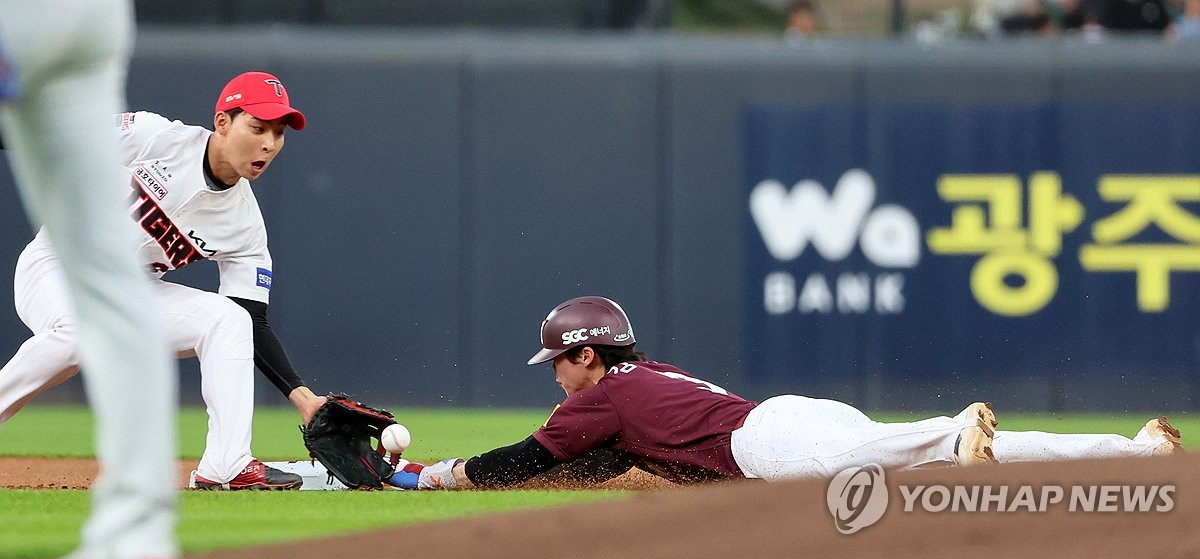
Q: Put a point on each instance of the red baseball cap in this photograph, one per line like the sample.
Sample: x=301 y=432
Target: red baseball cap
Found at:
x=262 y=95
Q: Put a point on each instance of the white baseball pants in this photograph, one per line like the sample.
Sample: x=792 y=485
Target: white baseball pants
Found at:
x=72 y=58
x=795 y=436
x=196 y=322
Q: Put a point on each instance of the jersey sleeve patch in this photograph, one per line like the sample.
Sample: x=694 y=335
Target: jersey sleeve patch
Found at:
x=125 y=122
x=264 y=279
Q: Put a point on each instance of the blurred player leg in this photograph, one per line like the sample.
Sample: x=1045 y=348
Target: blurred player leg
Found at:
x=791 y=436
x=1156 y=438
x=71 y=59
x=49 y=357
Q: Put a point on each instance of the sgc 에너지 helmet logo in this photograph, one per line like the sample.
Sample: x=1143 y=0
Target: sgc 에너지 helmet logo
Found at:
x=857 y=497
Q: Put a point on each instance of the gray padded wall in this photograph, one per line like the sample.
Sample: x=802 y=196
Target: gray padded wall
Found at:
x=562 y=163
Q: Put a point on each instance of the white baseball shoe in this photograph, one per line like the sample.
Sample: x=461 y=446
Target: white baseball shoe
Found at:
x=1163 y=437
x=974 y=443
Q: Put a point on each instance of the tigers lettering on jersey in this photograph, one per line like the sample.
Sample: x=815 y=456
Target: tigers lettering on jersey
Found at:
x=155 y=222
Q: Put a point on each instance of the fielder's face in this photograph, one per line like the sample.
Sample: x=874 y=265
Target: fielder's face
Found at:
x=250 y=144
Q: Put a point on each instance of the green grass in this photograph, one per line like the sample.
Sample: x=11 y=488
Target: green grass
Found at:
x=45 y=523
x=66 y=431
x=728 y=15
x=41 y=523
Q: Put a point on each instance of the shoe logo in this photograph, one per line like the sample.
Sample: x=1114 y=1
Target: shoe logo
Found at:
x=857 y=497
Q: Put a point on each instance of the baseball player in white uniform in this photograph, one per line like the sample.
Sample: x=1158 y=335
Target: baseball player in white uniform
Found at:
x=192 y=200
x=62 y=77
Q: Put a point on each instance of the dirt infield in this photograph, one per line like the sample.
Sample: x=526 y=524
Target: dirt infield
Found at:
x=79 y=473
x=754 y=519
x=59 y=473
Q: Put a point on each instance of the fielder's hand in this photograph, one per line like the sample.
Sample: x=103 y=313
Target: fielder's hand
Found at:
x=341 y=436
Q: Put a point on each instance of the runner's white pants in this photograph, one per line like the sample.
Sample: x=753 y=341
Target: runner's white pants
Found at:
x=795 y=436
x=71 y=58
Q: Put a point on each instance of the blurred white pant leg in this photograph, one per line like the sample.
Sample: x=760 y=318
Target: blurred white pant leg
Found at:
x=43 y=304
x=794 y=436
x=1037 y=446
x=197 y=323
x=72 y=60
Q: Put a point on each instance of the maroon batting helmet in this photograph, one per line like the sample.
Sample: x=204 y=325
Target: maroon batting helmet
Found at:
x=583 y=321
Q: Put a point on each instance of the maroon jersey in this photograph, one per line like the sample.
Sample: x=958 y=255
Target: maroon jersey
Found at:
x=679 y=426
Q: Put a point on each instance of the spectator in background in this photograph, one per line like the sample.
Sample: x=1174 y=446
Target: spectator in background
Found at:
x=1092 y=19
x=1135 y=16
x=1031 y=19
x=1187 y=25
x=1072 y=15
x=802 y=21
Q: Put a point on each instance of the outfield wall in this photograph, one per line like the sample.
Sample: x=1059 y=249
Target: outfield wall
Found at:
x=898 y=226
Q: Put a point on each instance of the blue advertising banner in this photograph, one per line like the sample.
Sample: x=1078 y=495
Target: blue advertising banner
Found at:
x=958 y=241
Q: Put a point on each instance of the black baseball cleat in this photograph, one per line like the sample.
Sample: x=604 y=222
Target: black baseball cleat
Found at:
x=256 y=477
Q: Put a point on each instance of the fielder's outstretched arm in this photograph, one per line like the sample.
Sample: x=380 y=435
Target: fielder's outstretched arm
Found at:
x=506 y=466
x=272 y=360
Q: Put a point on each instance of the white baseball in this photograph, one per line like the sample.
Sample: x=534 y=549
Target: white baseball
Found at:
x=395 y=438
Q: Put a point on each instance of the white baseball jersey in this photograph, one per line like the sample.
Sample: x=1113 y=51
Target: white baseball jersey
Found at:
x=183 y=219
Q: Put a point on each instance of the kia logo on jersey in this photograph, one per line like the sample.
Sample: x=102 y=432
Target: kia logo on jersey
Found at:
x=200 y=243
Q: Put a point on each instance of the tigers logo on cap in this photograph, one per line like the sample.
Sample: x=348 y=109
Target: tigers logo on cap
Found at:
x=261 y=95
